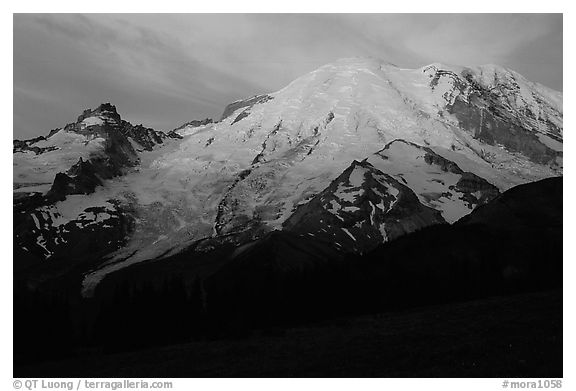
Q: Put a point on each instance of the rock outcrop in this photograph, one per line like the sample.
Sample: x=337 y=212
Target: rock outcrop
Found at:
x=247 y=103
x=360 y=209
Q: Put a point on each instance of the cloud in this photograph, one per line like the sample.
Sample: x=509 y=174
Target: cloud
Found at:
x=476 y=38
x=85 y=61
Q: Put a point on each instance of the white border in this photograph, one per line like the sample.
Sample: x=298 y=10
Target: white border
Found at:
x=261 y=6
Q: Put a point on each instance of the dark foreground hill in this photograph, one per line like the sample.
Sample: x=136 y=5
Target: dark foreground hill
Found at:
x=515 y=336
x=512 y=244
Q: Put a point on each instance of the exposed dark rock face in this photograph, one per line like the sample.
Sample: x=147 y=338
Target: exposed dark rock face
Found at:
x=194 y=123
x=148 y=138
x=477 y=191
x=174 y=135
x=433 y=158
x=360 y=209
x=236 y=219
x=240 y=116
x=232 y=107
x=80 y=179
x=493 y=128
x=28 y=145
x=439 y=73
x=494 y=115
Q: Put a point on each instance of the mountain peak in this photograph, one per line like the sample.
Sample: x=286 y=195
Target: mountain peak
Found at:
x=106 y=110
x=106 y=107
x=361 y=208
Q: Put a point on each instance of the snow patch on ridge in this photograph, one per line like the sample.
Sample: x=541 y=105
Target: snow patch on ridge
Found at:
x=91 y=121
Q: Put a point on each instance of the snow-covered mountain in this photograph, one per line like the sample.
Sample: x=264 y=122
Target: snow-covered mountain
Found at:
x=360 y=209
x=59 y=210
x=371 y=149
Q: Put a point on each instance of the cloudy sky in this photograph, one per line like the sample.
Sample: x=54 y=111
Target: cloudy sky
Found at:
x=163 y=70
